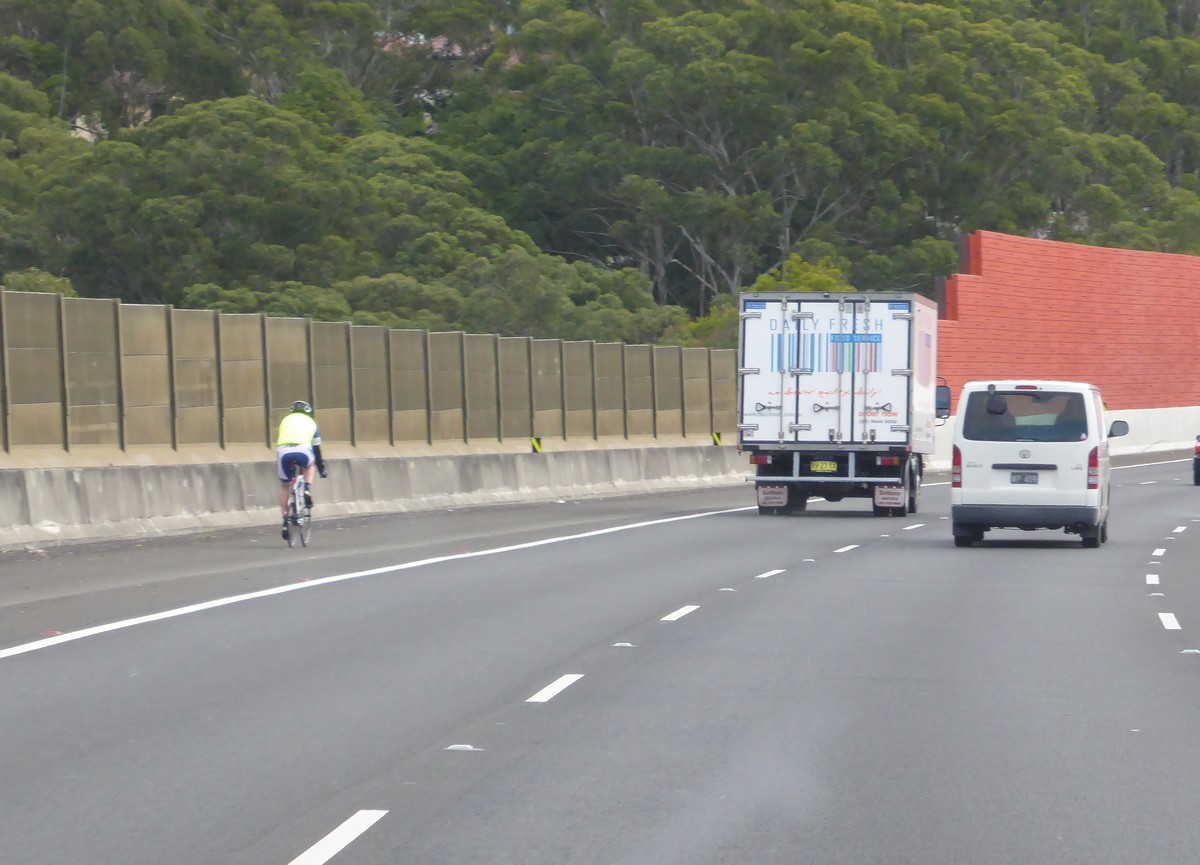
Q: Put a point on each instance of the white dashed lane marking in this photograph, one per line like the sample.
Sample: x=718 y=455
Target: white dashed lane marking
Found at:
x=1180 y=529
x=1159 y=552
x=1151 y=579
x=680 y=613
x=338 y=839
x=1170 y=622
x=847 y=548
x=555 y=688
x=769 y=574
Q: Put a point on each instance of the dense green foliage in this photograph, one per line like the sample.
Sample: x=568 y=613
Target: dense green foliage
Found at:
x=589 y=169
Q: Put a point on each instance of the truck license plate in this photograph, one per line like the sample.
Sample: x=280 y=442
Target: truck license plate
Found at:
x=1024 y=477
x=773 y=495
x=826 y=466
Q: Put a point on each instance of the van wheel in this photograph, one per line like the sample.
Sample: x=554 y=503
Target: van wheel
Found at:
x=964 y=536
x=1104 y=531
x=1091 y=537
x=1196 y=472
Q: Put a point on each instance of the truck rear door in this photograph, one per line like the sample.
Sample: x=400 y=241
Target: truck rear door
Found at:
x=820 y=370
x=768 y=351
x=855 y=369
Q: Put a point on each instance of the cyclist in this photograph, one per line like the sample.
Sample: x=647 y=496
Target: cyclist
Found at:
x=299 y=444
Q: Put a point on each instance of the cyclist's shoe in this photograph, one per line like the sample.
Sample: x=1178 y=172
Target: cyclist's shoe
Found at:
x=286 y=534
x=308 y=499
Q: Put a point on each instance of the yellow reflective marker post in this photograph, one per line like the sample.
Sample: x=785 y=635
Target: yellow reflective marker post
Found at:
x=537 y=444
x=716 y=438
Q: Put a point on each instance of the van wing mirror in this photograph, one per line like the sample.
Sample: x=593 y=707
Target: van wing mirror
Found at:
x=941 y=401
x=1118 y=428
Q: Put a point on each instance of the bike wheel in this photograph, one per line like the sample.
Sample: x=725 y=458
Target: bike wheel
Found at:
x=295 y=503
x=304 y=521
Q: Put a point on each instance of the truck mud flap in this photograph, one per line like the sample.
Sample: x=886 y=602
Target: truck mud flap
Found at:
x=772 y=495
x=889 y=496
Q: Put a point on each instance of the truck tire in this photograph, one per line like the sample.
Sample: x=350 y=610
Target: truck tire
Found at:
x=907 y=481
x=914 y=492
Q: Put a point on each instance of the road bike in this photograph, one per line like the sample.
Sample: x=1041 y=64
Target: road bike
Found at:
x=299 y=516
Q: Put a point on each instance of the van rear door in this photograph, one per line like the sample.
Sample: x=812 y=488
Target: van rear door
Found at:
x=1027 y=447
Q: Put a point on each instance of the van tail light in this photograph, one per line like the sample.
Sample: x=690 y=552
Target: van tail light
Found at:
x=1094 y=469
x=759 y=459
x=956 y=468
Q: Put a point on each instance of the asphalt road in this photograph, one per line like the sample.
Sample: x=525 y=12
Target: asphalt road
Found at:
x=638 y=681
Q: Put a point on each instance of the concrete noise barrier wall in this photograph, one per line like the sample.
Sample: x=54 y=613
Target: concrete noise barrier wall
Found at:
x=48 y=506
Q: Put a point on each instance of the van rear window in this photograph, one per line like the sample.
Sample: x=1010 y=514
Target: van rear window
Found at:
x=1039 y=416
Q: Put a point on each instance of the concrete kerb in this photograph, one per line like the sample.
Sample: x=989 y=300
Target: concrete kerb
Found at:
x=51 y=506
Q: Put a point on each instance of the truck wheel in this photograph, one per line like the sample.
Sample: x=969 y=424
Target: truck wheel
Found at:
x=914 y=492
x=907 y=482
x=797 y=502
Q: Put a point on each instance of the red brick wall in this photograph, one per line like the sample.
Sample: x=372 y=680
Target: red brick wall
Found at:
x=1126 y=321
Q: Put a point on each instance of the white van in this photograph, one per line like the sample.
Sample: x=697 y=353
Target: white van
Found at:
x=1031 y=455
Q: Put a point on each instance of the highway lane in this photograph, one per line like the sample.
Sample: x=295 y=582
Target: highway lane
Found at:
x=829 y=687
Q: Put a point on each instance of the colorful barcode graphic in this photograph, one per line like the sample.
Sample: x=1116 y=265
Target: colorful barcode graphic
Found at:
x=779 y=354
x=824 y=352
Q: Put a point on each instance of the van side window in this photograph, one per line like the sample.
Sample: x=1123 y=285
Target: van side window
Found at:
x=1039 y=416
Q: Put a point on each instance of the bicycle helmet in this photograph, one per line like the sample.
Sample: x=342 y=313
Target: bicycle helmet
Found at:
x=302 y=407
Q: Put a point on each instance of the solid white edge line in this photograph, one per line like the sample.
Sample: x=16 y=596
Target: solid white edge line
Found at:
x=555 y=688
x=71 y=636
x=338 y=839
x=769 y=574
x=1170 y=622
x=680 y=613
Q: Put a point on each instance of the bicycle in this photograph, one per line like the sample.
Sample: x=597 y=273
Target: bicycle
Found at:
x=299 y=517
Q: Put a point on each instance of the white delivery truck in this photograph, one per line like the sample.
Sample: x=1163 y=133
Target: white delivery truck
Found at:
x=838 y=396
